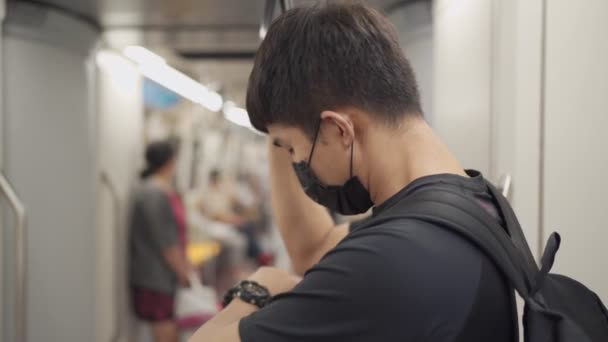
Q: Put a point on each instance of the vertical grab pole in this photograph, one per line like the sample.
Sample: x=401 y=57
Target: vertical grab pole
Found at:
x=105 y=179
x=20 y=244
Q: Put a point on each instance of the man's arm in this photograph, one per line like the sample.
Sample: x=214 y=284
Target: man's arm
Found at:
x=224 y=327
x=306 y=227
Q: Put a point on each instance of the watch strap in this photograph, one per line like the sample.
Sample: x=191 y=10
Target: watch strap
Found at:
x=250 y=292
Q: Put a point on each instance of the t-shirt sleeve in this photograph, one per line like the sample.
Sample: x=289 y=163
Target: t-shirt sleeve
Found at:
x=336 y=301
x=160 y=220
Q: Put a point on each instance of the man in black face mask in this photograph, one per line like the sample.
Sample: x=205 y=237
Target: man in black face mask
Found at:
x=349 y=199
x=331 y=87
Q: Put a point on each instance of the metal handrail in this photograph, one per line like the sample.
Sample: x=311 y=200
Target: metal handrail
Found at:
x=286 y=5
x=105 y=179
x=269 y=8
x=20 y=257
x=505 y=185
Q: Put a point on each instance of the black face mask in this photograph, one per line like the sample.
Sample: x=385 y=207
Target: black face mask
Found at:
x=349 y=199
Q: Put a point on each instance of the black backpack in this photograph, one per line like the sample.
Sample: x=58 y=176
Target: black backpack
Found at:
x=557 y=308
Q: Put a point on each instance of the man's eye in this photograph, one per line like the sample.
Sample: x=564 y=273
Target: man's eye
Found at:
x=291 y=151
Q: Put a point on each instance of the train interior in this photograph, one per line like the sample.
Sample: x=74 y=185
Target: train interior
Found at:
x=517 y=89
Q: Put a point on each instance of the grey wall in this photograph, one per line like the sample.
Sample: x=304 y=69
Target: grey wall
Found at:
x=487 y=96
x=415 y=26
x=2 y=208
x=462 y=79
x=575 y=140
x=50 y=156
x=517 y=61
x=515 y=94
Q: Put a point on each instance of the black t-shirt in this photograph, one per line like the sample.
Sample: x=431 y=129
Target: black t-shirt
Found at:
x=402 y=280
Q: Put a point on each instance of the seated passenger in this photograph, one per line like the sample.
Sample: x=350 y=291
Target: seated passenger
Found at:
x=232 y=261
x=338 y=99
x=157 y=243
x=219 y=203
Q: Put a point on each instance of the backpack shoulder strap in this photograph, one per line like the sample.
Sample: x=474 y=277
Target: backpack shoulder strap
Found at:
x=513 y=226
x=450 y=210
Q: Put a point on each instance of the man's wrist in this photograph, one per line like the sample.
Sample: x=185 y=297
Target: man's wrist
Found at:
x=250 y=292
x=240 y=302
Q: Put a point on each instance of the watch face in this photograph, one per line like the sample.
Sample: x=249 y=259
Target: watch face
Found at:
x=249 y=292
x=255 y=290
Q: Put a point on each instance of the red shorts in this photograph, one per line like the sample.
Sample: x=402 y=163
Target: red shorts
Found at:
x=152 y=306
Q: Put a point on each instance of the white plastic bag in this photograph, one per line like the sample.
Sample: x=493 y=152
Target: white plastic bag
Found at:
x=196 y=304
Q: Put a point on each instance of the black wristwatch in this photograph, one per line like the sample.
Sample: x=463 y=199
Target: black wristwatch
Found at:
x=250 y=292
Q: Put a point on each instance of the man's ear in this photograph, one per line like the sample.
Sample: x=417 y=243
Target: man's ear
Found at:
x=342 y=124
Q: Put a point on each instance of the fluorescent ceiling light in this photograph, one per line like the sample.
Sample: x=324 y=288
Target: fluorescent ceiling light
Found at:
x=236 y=115
x=142 y=56
x=175 y=81
x=212 y=101
x=156 y=68
x=113 y=61
x=121 y=71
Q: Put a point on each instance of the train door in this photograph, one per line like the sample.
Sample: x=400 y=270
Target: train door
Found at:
x=49 y=156
x=120 y=156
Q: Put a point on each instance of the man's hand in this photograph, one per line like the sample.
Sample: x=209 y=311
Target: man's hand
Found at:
x=275 y=279
x=224 y=326
x=306 y=227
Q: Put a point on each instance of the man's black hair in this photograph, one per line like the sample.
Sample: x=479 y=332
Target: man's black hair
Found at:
x=327 y=58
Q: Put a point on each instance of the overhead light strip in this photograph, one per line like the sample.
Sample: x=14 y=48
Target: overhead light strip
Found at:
x=156 y=68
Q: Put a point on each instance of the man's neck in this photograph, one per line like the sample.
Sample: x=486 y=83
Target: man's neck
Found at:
x=400 y=158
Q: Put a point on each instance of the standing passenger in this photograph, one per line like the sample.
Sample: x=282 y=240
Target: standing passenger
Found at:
x=339 y=100
x=157 y=243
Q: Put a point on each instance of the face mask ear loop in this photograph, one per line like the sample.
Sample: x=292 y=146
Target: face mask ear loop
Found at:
x=314 y=142
x=352 y=151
